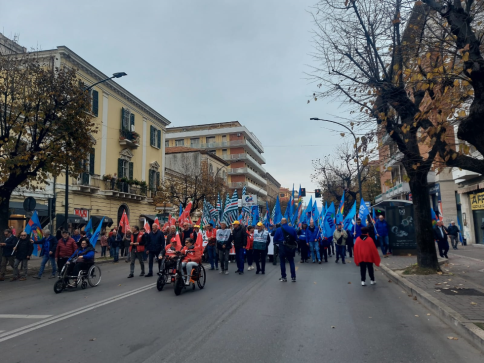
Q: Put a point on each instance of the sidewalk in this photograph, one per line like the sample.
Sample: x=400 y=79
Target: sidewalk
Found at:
x=456 y=295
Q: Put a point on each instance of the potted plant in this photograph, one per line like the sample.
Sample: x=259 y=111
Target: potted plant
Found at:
x=107 y=177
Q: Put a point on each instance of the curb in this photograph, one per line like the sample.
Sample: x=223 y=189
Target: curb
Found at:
x=449 y=316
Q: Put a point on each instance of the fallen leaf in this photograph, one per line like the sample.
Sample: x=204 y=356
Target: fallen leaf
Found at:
x=428 y=314
x=389 y=280
x=415 y=298
x=438 y=283
x=416 y=316
x=473 y=303
x=438 y=290
x=452 y=338
x=439 y=272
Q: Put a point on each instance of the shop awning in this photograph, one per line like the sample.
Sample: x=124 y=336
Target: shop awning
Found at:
x=149 y=217
x=71 y=219
x=18 y=208
x=391 y=203
x=106 y=222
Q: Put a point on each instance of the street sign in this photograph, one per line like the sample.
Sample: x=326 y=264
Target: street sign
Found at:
x=29 y=204
x=249 y=200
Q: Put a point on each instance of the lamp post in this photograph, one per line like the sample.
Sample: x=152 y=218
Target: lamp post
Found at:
x=66 y=203
x=357 y=157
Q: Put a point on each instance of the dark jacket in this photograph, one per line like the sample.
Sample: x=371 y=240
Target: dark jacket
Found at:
x=301 y=234
x=49 y=244
x=453 y=230
x=381 y=228
x=279 y=236
x=24 y=248
x=10 y=243
x=116 y=240
x=186 y=234
x=350 y=241
x=312 y=234
x=438 y=235
x=239 y=237
x=156 y=242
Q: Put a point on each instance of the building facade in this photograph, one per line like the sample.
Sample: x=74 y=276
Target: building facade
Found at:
x=272 y=189
x=232 y=142
x=127 y=159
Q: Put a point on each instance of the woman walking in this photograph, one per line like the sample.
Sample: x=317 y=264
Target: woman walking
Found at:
x=365 y=255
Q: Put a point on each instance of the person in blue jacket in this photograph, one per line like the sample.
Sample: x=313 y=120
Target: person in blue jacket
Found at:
x=303 y=243
x=85 y=259
x=356 y=230
x=49 y=245
x=312 y=237
x=381 y=226
x=286 y=239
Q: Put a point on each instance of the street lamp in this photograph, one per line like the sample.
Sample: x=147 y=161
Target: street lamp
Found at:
x=66 y=203
x=356 y=142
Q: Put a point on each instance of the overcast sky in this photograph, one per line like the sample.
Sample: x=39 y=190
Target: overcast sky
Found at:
x=200 y=62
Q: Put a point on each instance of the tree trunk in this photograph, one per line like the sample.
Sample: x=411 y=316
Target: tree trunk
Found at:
x=426 y=252
x=4 y=211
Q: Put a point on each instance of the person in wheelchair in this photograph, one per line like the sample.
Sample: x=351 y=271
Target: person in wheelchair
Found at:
x=170 y=252
x=192 y=256
x=83 y=257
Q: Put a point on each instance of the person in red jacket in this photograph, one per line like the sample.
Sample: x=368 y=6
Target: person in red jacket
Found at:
x=249 y=249
x=193 y=256
x=365 y=255
x=65 y=249
x=136 y=250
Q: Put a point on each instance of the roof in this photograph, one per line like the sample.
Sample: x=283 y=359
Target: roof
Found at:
x=186 y=149
x=217 y=125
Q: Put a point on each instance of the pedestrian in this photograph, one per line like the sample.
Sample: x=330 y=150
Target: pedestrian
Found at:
x=286 y=238
x=210 y=235
x=127 y=244
x=357 y=229
x=66 y=246
x=340 y=236
x=49 y=245
x=115 y=241
x=83 y=235
x=76 y=236
x=104 y=243
x=137 y=251
x=155 y=244
x=440 y=235
x=381 y=226
x=22 y=251
x=239 y=239
x=196 y=231
x=14 y=231
x=350 y=242
x=249 y=248
x=7 y=252
x=275 y=252
x=325 y=247
x=302 y=242
x=185 y=232
x=313 y=236
x=453 y=231
x=223 y=247
x=366 y=254
x=262 y=240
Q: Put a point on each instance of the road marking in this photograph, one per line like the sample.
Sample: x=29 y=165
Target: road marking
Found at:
x=56 y=318
x=17 y=316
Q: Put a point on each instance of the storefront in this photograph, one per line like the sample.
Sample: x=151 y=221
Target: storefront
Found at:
x=477 y=206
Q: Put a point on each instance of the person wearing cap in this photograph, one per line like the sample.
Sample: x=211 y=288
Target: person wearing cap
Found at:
x=223 y=247
x=194 y=234
x=283 y=235
x=340 y=236
x=303 y=243
x=210 y=236
x=382 y=235
x=262 y=240
x=453 y=231
x=249 y=248
x=193 y=257
x=239 y=238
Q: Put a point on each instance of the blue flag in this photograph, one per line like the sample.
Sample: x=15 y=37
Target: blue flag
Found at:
x=306 y=215
x=373 y=220
x=461 y=230
x=277 y=213
x=315 y=213
x=181 y=210
x=363 y=212
x=96 y=234
x=267 y=219
x=341 y=208
x=89 y=229
x=34 y=230
x=255 y=215
x=328 y=223
x=348 y=221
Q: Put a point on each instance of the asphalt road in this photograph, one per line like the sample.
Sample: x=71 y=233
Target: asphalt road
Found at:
x=250 y=318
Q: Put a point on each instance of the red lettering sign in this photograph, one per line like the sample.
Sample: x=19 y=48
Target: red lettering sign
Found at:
x=83 y=213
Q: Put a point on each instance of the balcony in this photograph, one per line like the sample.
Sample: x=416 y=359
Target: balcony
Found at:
x=128 y=139
x=394 y=159
x=461 y=176
x=236 y=143
x=121 y=189
x=251 y=188
x=248 y=159
x=86 y=183
x=249 y=172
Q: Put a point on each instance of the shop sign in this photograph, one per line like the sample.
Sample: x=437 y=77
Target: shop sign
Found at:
x=81 y=212
x=477 y=201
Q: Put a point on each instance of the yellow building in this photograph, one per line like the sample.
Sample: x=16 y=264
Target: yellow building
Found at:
x=127 y=159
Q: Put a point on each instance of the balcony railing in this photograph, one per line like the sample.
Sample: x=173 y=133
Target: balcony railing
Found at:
x=128 y=138
x=124 y=189
x=86 y=182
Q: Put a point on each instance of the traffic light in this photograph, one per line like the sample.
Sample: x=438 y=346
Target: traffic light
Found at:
x=303 y=192
x=51 y=208
x=317 y=193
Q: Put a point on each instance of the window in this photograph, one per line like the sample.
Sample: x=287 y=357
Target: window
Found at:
x=155 y=137
x=154 y=179
x=195 y=142
x=282 y=195
x=211 y=140
x=125 y=169
x=127 y=120
x=95 y=102
x=212 y=151
x=180 y=142
x=224 y=140
x=167 y=143
x=224 y=152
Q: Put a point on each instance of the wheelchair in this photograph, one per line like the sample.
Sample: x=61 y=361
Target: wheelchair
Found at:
x=92 y=277
x=171 y=271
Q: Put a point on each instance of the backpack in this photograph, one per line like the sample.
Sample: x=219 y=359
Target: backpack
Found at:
x=289 y=240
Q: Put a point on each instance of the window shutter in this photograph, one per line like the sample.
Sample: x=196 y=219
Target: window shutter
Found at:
x=95 y=102
x=150 y=179
x=130 y=170
x=91 y=161
x=131 y=116
x=151 y=135
x=123 y=111
x=120 y=168
x=157 y=178
x=159 y=138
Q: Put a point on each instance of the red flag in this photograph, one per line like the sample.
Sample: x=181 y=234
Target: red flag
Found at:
x=185 y=216
x=157 y=222
x=166 y=226
x=124 y=223
x=199 y=242
x=147 y=227
x=199 y=221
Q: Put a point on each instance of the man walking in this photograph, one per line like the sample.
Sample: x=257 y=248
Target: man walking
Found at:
x=440 y=235
x=303 y=243
x=286 y=238
x=49 y=245
x=23 y=250
x=340 y=236
x=66 y=246
x=382 y=235
x=7 y=249
x=155 y=245
x=210 y=235
x=453 y=231
x=223 y=246
x=136 y=251
x=262 y=240
x=312 y=237
x=239 y=238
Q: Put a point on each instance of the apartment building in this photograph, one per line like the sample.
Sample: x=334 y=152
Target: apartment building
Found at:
x=272 y=189
x=232 y=142
x=127 y=158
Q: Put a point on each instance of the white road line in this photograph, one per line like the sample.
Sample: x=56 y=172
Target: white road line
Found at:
x=56 y=318
x=16 y=316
